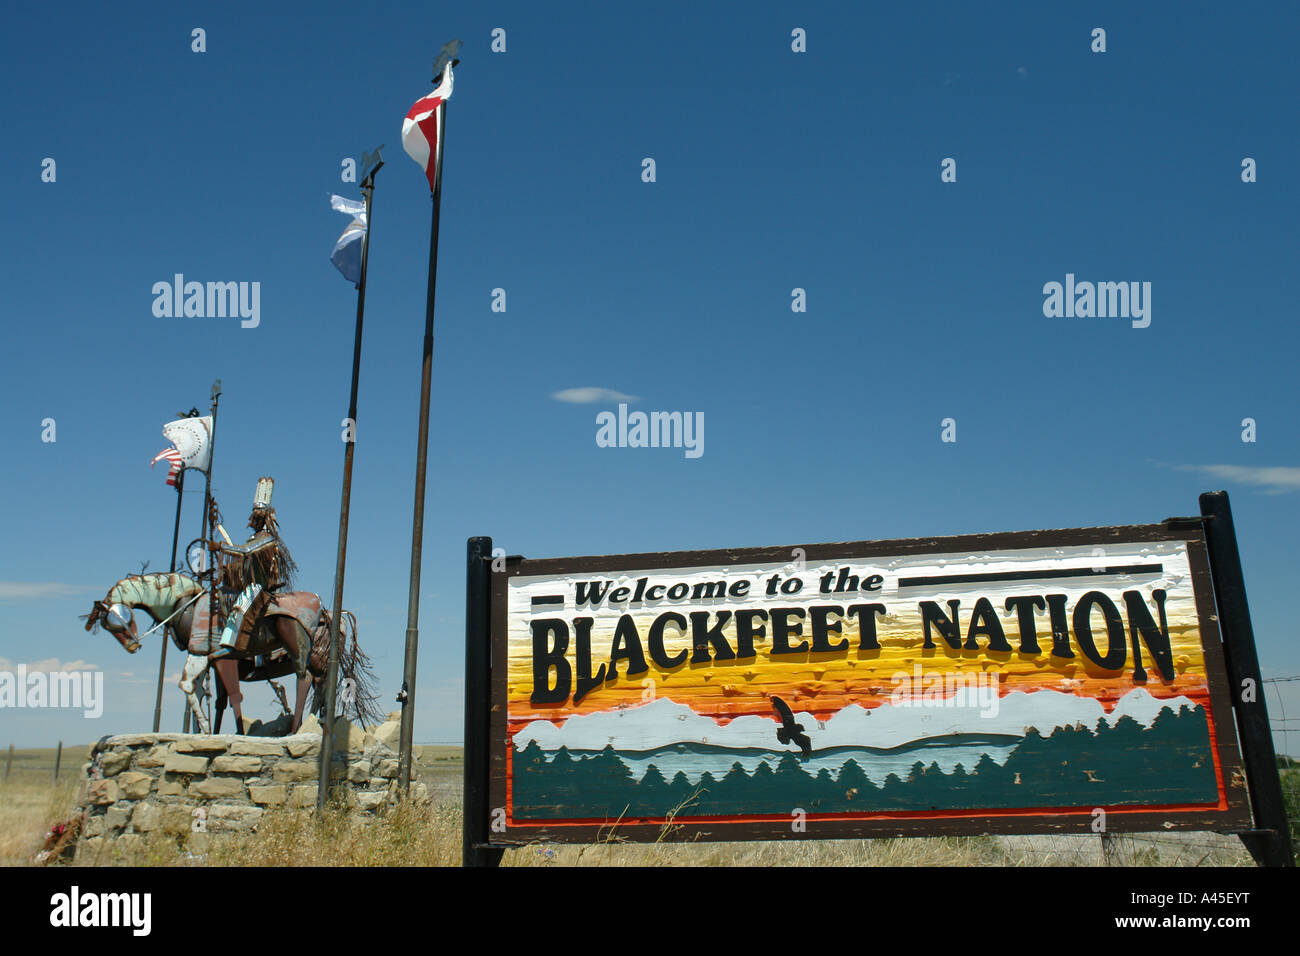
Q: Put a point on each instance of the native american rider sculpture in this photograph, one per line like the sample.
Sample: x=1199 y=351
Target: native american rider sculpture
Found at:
x=267 y=631
x=258 y=574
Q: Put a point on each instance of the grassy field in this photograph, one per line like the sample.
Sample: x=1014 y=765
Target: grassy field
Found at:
x=430 y=836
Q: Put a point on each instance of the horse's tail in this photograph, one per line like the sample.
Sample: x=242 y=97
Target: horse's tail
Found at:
x=354 y=666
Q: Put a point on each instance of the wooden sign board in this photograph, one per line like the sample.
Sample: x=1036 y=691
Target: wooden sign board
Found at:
x=1052 y=681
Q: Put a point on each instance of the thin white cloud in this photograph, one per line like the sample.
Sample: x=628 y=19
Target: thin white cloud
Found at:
x=50 y=665
x=35 y=590
x=1277 y=480
x=588 y=395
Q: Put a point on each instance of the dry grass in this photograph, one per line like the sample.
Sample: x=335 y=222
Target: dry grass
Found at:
x=430 y=836
x=406 y=836
x=30 y=801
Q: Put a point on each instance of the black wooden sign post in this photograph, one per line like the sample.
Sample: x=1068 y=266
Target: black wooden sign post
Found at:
x=1270 y=842
x=475 y=847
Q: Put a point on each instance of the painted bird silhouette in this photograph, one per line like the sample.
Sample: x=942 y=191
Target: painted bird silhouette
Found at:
x=789 y=731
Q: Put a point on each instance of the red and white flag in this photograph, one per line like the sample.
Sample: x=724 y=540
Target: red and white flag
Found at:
x=422 y=129
x=173 y=458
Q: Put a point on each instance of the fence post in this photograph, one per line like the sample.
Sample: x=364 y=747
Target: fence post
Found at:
x=58 y=759
x=1112 y=850
x=10 y=762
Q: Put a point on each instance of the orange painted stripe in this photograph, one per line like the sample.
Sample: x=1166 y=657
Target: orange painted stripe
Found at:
x=884 y=815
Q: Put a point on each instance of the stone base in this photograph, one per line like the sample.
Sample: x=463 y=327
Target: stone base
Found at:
x=189 y=784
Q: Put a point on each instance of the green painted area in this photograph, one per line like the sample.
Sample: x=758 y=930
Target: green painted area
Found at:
x=1167 y=763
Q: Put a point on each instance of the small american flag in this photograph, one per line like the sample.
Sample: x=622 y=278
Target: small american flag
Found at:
x=173 y=458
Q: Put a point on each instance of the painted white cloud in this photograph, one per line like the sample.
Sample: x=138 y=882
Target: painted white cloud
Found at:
x=1275 y=480
x=589 y=395
x=664 y=722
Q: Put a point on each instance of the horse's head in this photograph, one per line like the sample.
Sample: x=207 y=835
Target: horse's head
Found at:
x=159 y=595
x=116 y=618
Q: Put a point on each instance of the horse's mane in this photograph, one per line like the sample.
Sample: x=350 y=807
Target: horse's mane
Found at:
x=160 y=580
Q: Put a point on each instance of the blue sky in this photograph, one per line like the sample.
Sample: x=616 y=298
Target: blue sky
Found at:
x=774 y=170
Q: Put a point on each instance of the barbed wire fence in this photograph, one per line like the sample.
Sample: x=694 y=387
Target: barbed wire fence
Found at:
x=1282 y=725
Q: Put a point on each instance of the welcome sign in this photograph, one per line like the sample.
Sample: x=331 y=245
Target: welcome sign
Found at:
x=1063 y=681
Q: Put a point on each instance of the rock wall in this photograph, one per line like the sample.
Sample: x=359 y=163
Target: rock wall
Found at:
x=183 y=784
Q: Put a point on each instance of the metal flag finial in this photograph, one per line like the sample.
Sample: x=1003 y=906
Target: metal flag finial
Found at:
x=449 y=53
x=370 y=162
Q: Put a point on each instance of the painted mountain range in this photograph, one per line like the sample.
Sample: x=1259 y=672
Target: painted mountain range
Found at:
x=1038 y=749
x=663 y=721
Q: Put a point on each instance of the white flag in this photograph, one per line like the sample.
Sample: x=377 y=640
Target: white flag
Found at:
x=347 y=251
x=193 y=439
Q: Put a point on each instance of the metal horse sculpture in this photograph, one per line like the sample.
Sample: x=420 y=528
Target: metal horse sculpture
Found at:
x=290 y=639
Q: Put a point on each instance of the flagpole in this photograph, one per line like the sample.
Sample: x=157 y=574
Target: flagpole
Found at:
x=162 y=656
x=210 y=530
x=421 y=461
x=340 y=563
